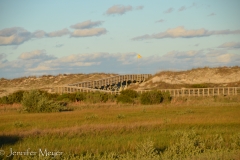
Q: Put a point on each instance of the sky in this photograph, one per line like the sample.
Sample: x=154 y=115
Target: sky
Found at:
x=63 y=37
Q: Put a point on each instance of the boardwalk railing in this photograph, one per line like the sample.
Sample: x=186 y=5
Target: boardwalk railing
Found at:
x=201 y=91
x=73 y=89
x=112 y=80
x=173 y=92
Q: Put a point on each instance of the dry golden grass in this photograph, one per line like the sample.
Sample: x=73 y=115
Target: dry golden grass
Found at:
x=108 y=127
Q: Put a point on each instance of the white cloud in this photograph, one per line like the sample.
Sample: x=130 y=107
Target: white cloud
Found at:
x=181 y=32
x=18 y=35
x=86 y=24
x=89 y=32
x=118 y=9
x=86 y=64
x=59 y=33
x=230 y=45
x=37 y=54
x=15 y=36
x=39 y=34
x=42 y=34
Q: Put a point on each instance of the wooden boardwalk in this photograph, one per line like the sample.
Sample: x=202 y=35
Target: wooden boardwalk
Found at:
x=112 y=80
x=173 y=92
x=201 y=91
x=102 y=84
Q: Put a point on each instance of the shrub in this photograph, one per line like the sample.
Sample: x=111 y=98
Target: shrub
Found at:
x=130 y=93
x=52 y=96
x=80 y=96
x=186 y=146
x=199 y=86
x=166 y=97
x=127 y=96
x=124 y=99
x=151 y=97
x=96 y=97
x=16 y=97
x=5 y=100
x=155 y=97
x=33 y=102
x=69 y=97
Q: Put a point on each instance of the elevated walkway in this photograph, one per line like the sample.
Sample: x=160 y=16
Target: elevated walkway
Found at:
x=113 y=85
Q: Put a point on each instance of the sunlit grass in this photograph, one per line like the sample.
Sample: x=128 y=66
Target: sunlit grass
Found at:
x=115 y=128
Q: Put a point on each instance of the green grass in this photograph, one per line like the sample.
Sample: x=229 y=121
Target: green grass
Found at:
x=119 y=129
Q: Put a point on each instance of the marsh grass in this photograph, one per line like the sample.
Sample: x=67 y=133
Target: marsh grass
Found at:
x=112 y=131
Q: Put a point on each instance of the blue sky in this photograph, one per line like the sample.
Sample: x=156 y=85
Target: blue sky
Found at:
x=52 y=37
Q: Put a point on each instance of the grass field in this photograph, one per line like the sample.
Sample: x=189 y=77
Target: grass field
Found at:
x=111 y=131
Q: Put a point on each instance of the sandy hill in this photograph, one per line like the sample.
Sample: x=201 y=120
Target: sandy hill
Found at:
x=46 y=81
x=205 y=77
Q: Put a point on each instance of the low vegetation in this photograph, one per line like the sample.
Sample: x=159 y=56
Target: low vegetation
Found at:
x=185 y=128
x=182 y=129
x=36 y=102
x=41 y=101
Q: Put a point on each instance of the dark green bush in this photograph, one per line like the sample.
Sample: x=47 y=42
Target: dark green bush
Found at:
x=69 y=97
x=166 y=97
x=34 y=102
x=199 y=86
x=90 y=97
x=80 y=96
x=155 y=97
x=127 y=96
x=16 y=97
x=151 y=97
x=130 y=93
x=5 y=100
x=96 y=97
x=124 y=99
x=52 y=96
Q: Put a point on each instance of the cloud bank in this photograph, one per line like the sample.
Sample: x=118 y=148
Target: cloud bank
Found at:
x=39 y=62
x=18 y=35
x=89 y=32
x=118 y=10
x=181 y=32
x=86 y=24
x=15 y=36
x=230 y=45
